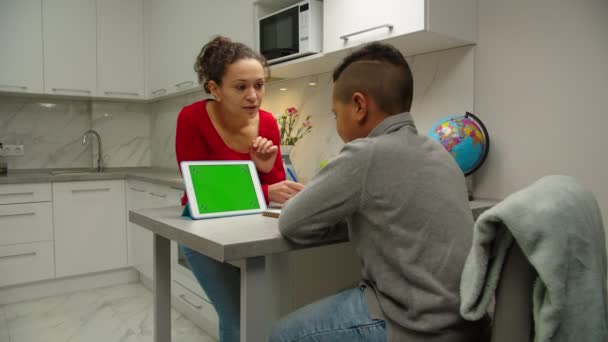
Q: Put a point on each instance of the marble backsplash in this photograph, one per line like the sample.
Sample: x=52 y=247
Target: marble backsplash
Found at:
x=443 y=85
x=51 y=131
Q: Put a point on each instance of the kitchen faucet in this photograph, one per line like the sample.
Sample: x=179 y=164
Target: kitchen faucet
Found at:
x=99 y=156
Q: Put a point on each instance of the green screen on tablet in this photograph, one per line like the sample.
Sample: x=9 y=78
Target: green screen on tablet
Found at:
x=223 y=188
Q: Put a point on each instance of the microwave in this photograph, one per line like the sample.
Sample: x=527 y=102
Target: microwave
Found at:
x=292 y=32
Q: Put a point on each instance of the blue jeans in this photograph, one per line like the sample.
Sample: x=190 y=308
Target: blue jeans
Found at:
x=222 y=284
x=341 y=317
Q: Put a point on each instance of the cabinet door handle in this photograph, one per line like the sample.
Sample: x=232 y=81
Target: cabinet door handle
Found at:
x=17 y=194
x=136 y=189
x=22 y=255
x=346 y=36
x=13 y=87
x=181 y=85
x=158 y=195
x=120 y=93
x=159 y=92
x=183 y=297
x=18 y=214
x=67 y=90
x=90 y=190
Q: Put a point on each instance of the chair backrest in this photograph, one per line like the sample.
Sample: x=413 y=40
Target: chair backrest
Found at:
x=512 y=320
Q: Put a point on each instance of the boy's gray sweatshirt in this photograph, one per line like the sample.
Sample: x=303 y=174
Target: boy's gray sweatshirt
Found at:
x=402 y=200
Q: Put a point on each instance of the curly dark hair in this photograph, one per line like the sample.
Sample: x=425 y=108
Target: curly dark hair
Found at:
x=217 y=54
x=379 y=70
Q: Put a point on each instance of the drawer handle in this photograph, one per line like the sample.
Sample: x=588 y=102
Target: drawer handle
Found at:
x=120 y=93
x=90 y=190
x=136 y=189
x=158 y=195
x=186 y=83
x=18 y=214
x=346 y=36
x=67 y=90
x=158 y=92
x=13 y=87
x=183 y=297
x=22 y=255
x=18 y=194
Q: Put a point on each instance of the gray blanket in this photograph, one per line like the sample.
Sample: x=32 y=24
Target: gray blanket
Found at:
x=558 y=225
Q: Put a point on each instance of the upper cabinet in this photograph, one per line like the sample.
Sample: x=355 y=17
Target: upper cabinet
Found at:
x=348 y=23
x=70 y=47
x=21 y=46
x=177 y=30
x=159 y=45
x=416 y=26
x=413 y=26
x=146 y=49
x=120 y=49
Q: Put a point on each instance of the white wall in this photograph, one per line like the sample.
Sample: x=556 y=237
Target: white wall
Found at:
x=443 y=85
x=541 y=87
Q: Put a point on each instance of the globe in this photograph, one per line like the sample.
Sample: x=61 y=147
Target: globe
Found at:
x=465 y=137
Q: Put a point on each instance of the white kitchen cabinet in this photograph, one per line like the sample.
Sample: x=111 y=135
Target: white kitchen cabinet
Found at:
x=176 y=32
x=26 y=222
x=424 y=25
x=21 y=46
x=120 y=49
x=26 y=234
x=26 y=262
x=25 y=193
x=142 y=195
x=159 y=45
x=70 y=47
x=90 y=226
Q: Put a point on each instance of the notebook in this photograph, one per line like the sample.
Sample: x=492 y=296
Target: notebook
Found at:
x=222 y=188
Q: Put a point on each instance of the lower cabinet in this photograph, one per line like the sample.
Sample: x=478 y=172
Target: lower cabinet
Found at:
x=26 y=233
x=141 y=195
x=188 y=296
x=26 y=262
x=90 y=226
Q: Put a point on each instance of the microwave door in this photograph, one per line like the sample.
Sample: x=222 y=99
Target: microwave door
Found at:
x=279 y=34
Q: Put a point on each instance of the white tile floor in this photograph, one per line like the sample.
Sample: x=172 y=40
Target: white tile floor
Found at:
x=113 y=314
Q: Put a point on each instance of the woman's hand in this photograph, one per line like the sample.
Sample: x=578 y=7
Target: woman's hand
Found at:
x=282 y=191
x=263 y=153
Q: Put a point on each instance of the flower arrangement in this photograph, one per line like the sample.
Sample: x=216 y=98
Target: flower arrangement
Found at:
x=287 y=126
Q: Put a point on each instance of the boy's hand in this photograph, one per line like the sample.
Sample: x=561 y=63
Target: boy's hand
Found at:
x=263 y=153
x=282 y=191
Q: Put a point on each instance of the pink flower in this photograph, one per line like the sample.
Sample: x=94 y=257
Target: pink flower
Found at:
x=307 y=123
x=291 y=111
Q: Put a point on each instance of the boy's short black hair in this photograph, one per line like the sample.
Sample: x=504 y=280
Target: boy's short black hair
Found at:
x=379 y=70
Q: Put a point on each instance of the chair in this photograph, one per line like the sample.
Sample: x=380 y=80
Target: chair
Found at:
x=512 y=320
x=540 y=251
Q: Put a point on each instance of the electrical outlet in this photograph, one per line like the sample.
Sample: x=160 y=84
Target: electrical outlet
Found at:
x=12 y=150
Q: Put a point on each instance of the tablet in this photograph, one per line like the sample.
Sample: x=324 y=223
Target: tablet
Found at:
x=222 y=188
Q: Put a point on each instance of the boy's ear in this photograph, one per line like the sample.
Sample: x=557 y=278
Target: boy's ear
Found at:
x=361 y=107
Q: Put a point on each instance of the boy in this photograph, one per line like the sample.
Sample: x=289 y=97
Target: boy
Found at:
x=401 y=199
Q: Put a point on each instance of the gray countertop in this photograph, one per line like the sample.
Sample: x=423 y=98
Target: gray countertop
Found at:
x=230 y=238
x=148 y=174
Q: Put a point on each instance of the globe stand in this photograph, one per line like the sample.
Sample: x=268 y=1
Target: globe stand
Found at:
x=469 y=183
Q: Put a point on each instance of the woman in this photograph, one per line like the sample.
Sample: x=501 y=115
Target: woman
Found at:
x=230 y=127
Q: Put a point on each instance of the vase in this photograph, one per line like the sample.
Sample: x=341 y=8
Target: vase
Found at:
x=290 y=171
